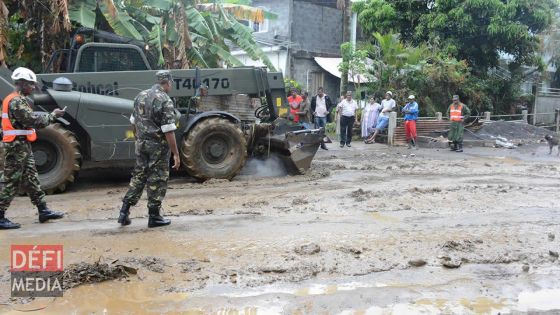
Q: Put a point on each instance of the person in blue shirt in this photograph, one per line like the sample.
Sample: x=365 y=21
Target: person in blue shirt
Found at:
x=410 y=112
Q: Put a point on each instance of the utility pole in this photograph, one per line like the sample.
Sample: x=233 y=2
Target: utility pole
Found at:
x=346 y=8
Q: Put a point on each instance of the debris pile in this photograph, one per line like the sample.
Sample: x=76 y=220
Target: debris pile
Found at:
x=308 y=249
x=505 y=133
x=82 y=273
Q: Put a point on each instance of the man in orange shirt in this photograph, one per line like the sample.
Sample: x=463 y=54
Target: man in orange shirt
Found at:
x=295 y=101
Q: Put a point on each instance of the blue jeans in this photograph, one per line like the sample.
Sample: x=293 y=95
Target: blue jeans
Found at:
x=320 y=122
x=382 y=123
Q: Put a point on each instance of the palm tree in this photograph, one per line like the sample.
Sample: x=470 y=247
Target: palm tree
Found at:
x=3 y=32
x=393 y=59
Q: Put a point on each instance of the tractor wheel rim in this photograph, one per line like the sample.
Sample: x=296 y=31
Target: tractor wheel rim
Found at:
x=216 y=149
x=46 y=156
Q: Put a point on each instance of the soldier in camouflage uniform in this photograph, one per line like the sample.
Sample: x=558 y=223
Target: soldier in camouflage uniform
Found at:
x=18 y=121
x=154 y=122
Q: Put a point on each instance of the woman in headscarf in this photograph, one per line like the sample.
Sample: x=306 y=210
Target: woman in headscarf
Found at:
x=369 y=117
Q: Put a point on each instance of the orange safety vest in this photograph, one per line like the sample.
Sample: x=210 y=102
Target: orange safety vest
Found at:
x=455 y=114
x=9 y=134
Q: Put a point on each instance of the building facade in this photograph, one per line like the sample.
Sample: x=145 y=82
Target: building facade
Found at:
x=304 y=29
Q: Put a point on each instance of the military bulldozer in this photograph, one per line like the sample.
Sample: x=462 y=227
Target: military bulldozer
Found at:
x=226 y=115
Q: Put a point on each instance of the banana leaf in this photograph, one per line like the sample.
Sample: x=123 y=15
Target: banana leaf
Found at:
x=120 y=21
x=156 y=40
x=83 y=12
x=198 y=23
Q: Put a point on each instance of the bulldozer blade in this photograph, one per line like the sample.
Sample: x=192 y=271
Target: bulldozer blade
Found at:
x=297 y=149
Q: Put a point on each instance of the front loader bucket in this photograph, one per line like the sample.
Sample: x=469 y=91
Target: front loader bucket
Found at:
x=302 y=146
x=295 y=146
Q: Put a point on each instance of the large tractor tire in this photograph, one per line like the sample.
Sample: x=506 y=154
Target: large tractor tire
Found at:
x=57 y=157
x=214 y=148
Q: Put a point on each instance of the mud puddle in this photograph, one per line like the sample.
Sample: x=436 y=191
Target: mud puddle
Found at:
x=432 y=291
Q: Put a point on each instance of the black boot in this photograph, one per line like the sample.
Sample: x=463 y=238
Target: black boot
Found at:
x=46 y=214
x=123 y=215
x=323 y=146
x=454 y=146
x=414 y=144
x=6 y=224
x=460 y=147
x=155 y=219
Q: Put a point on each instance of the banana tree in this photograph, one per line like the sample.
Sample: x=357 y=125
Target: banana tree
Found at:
x=181 y=33
x=31 y=28
x=3 y=32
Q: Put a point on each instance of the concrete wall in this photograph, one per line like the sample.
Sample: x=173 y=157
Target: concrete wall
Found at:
x=279 y=59
x=317 y=29
x=306 y=71
x=279 y=27
x=546 y=104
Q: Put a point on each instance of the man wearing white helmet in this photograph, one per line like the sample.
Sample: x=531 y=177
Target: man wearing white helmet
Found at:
x=18 y=131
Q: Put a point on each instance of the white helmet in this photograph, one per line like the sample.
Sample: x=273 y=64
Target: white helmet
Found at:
x=22 y=73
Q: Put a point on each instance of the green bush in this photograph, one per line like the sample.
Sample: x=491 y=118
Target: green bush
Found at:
x=292 y=84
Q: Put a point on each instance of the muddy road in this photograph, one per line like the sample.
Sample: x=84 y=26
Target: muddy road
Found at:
x=370 y=229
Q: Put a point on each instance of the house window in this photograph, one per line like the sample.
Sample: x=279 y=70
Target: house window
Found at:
x=255 y=26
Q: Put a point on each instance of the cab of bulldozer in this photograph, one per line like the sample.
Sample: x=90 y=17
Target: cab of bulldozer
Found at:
x=97 y=51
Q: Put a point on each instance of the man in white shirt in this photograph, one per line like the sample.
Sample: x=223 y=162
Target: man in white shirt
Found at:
x=348 y=115
x=387 y=105
x=321 y=106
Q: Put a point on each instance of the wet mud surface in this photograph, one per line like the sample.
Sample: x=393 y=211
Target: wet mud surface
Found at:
x=369 y=229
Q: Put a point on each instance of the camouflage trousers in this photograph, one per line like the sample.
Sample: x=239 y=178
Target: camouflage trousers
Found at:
x=456 y=130
x=151 y=171
x=20 y=172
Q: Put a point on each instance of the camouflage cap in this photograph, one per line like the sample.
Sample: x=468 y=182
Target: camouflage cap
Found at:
x=163 y=76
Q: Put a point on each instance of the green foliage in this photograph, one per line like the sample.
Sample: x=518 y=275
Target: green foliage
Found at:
x=432 y=76
x=457 y=42
x=474 y=30
x=330 y=129
x=83 y=11
x=290 y=85
x=386 y=16
x=355 y=64
x=21 y=52
x=160 y=23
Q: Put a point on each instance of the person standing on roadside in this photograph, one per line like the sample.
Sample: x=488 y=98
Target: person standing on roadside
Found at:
x=369 y=117
x=154 y=122
x=410 y=112
x=321 y=106
x=295 y=101
x=387 y=106
x=305 y=111
x=457 y=113
x=18 y=132
x=347 y=109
